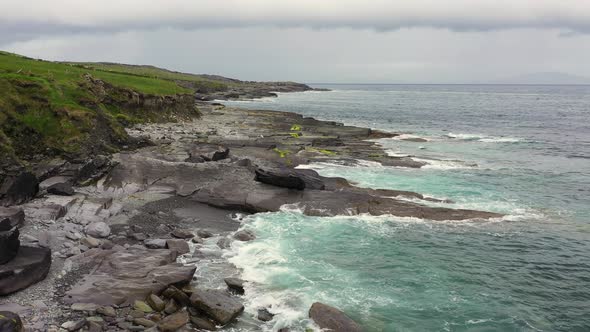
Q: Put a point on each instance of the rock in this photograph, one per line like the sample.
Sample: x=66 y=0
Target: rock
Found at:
x=174 y=321
x=156 y=302
x=9 y=242
x=197 y=240
x=244 y=235
x=285 y=179
x=15 y=214
x=28 y=267
x=138 y=237
x=142 y=306
x=326 y=142
x=182 y=233
x=217 y=304
x=144 y=322
x=224 y=242
x=61 y=189
x=85 y=307
x=94 y=327
x=90 y=242
x=235 y=284
x=204 y=234
x=203 y=323
x=74 y=325
x=330 y=318
x=122 y=277
x=219 y=154
x=136 y=314
x=18 y=189
x=29 y=239
x=177 y=295
x=264 y=315
x=171 y=307
x=194 y=159
x=10 y=322
x=155 y=243
x=106 y=311
x=94 y=169
x=180 y=246
x=98 y=229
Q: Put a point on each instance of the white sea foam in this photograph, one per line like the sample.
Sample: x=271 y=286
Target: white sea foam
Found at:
x=483 y=138
x=445 y=164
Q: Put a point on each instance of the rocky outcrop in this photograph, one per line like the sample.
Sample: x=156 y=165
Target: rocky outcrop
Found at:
x=332 y=319
x=128 y=275
x=217 y=304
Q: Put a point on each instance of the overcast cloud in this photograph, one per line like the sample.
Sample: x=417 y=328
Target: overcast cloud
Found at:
x=311 y=40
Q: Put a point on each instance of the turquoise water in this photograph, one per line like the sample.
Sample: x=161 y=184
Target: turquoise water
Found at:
x=520 y=150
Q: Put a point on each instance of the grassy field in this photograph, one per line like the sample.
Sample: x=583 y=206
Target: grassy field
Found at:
x=51 y=109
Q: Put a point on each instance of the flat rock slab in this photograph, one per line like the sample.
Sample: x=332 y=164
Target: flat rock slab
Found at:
x=217 y=304
x=128 y=275
x=28 y=267
x=332 y=319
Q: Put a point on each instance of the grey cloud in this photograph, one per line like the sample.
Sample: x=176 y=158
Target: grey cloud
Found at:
x=60 y=16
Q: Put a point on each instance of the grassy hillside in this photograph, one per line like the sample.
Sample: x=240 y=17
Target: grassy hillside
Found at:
x=49 y=108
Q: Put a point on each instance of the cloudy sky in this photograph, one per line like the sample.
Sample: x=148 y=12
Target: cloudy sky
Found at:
x=363 y=41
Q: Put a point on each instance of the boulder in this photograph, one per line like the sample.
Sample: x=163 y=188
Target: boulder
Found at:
x=217 y=304
x=10 y=322
x=98 y=229
x=28 y=267
x=16 y=215
x=156 y=302
x=235 y=284
x=180 y=246
x=73 y=325
x=155 y=243
x=18 y=189
x=90 y=242
x=244 y=235
x=219 y=154
x=94 y=169
x=203 y=323
x=61 y=189
x=182 y=233
x=265 y=315
x=177 y=295
x=204 y=234
x=285 y=179
x=171 y=307
x=330 y=318
x=122 y=277
x=9 y=242
x=174 y=322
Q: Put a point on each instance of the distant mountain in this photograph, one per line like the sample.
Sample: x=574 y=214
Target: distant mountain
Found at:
x=545 y=78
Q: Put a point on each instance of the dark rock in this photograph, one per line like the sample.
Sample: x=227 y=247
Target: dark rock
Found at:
x=16 y=215
x=285 y=179
x=244 y=235
x=9 y=242
x=172 y=307
x=18 y=189
x=224 y=242
x=194 y=159
x=94 y=169
x=235 y=284
x=326 y=142
x=264 y=315
x=29 y=266
x=122 y=277
x=10 y=322
x=178 y=245
x=203 y=323
x=177 y=295
x=62 y=189
x=204 y=234
x=174 y=321
x=330 y=318
x=217 y=304
x=182 y=233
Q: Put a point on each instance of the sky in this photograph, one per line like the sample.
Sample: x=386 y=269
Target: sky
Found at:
x=313 y=41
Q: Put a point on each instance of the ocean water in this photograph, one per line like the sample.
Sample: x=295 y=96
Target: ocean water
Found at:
x=520 y=150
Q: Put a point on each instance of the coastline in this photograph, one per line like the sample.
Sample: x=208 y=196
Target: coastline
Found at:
x=146 y=194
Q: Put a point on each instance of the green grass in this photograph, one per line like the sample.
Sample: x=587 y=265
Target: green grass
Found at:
x=50 y=109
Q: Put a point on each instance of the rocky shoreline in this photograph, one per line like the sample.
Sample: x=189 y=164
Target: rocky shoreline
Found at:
x=129 y=233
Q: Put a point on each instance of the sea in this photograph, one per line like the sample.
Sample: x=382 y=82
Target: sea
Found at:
x=521 y=150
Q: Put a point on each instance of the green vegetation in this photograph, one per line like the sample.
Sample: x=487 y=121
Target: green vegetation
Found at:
x=295 y=127
x=282 y=153
x=56 y=109
x=322 y=151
